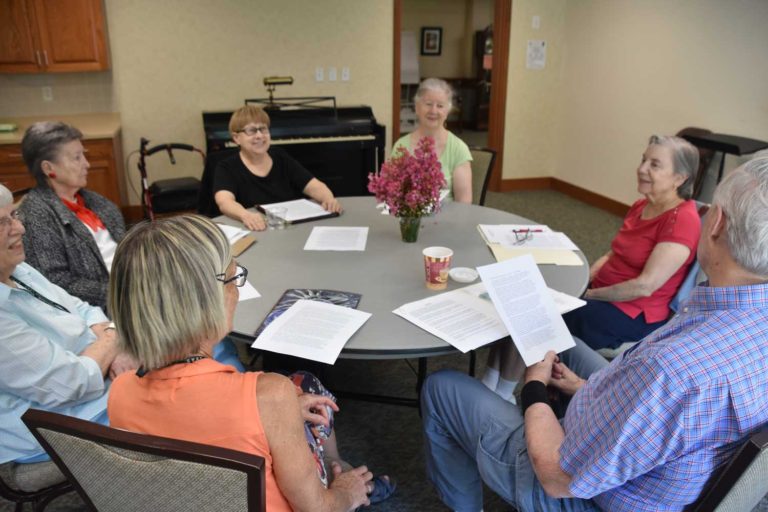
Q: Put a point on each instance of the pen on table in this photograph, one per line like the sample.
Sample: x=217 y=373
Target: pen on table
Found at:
x=527 y=230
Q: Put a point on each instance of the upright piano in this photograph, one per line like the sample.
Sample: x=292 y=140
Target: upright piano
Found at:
x=339 y=145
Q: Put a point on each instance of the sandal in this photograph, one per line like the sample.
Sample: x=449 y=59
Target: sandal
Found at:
x=383 y=488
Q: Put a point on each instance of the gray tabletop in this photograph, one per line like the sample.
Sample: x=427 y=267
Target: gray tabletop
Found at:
x=388 y=274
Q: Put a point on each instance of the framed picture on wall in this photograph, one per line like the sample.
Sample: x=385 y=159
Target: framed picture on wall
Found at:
x=431 y=40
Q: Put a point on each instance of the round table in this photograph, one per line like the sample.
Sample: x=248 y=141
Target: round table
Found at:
x=388 y=274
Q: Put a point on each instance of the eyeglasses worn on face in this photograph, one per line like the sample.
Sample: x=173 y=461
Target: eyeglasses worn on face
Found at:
x=241 y=274
x=5 y=222
x=253 y=130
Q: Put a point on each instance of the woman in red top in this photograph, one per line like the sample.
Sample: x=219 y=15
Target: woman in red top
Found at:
x=632 y=285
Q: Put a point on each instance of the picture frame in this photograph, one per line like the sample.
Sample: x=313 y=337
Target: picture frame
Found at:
x=431 y=41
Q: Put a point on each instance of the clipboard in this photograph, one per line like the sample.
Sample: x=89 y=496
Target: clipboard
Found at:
x=304 y=210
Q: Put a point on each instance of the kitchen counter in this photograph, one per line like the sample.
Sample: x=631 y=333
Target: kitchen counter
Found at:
x=93 y=126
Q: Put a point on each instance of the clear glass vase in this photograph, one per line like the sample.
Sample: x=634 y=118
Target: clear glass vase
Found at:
x=409 y=228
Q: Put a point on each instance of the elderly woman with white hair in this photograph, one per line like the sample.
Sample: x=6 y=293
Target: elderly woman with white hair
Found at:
x=434 y=100
x=181 y=392
x=632 y=285
x=73 y=231
x=56 y=352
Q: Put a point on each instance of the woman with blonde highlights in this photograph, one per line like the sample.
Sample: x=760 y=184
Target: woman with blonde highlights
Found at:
x=173 y=293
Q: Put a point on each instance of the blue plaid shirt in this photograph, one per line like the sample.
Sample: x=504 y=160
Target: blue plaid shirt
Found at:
x=647 y=431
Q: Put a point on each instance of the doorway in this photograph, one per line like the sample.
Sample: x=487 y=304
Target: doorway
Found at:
x=494 y=65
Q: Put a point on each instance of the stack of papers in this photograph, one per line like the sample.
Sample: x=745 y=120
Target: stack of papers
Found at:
x=547 y=247
x=233 y=233
x=326 y=238
x=312 y=330
x=466 y=318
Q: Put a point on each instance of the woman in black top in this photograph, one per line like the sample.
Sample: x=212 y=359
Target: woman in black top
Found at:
x=259 y=175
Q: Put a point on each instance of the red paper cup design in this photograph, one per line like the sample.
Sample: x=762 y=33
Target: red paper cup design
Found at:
x=437 y=263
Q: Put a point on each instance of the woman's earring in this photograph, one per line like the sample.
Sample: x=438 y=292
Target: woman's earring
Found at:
x=52 y=175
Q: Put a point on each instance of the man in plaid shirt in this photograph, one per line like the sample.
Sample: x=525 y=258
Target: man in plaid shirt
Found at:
x=645 y=432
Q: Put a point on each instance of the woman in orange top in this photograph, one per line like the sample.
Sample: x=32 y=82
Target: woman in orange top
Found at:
x=173 y=294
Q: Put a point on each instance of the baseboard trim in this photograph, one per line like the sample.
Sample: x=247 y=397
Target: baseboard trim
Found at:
x=574 y=191
x=526 y=184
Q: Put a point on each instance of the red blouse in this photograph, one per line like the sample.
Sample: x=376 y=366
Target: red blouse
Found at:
x=632 y=247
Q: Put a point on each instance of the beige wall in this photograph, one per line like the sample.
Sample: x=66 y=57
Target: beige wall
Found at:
x=452 y=15
x=620 y=70
x=175 y=58
x=532 y=114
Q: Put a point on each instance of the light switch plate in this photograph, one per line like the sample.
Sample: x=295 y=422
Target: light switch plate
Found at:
x=319 y=74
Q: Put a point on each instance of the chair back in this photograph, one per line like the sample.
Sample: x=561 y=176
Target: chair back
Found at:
x=482 y=166
x=742 y=483
x=695 y=273
x=114 y=470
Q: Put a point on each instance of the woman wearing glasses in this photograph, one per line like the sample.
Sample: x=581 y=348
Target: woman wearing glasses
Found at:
x=181 y=392
x=71 y=232
x=258 y=174
x=56 y=352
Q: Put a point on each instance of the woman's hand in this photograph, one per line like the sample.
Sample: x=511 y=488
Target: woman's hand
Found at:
x=253 y=221
x=313 y=408
x=331 y=205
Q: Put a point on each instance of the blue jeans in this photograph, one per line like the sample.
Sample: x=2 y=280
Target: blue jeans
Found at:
x=473 y=436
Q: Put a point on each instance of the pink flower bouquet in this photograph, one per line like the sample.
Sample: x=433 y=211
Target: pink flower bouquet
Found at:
x=408 y=183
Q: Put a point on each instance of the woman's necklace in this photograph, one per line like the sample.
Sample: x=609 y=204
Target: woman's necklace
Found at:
x=191 y=359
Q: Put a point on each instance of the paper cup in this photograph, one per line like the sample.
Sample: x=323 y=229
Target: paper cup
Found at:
x=437 y=263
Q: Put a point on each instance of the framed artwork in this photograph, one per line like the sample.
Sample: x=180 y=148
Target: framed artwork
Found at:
x=431 y=40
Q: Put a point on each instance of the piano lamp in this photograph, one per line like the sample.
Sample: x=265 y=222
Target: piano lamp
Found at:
x=273 y=81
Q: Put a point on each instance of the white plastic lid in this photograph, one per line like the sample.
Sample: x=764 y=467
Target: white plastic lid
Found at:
x=463 y=274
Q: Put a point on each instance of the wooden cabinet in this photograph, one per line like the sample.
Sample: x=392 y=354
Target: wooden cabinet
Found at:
x=103 y=176
x=50 y=36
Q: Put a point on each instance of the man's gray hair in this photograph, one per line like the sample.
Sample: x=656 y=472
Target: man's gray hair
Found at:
x=42 y=142
x=434 y=84
x=743 y=196
x=6 y=197
x=685 y=159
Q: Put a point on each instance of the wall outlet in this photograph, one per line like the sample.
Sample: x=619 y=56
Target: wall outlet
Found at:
x=319 y=74
x=47 y=93
x=332 y=74
x=536 y=22
x=345 y=74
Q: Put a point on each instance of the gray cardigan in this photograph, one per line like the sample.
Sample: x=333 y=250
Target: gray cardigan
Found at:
x=62 y=248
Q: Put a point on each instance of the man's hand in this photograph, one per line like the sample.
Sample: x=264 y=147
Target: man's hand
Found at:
x=313 y=408
x=253 y=221
x=542 y=371
x=565 y=380
x=354 y=484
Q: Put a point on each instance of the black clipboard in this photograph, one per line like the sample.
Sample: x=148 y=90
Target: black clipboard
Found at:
x=319 y=216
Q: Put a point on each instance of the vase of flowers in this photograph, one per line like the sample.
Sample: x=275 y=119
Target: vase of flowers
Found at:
x=409 y=184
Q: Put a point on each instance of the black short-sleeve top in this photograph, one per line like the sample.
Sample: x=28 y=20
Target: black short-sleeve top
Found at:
x=285 y=181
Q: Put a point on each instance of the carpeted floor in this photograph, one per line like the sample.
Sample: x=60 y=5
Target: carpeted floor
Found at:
x=388 y=438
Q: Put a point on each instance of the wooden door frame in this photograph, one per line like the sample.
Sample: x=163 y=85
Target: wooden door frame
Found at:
x=502 y=19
